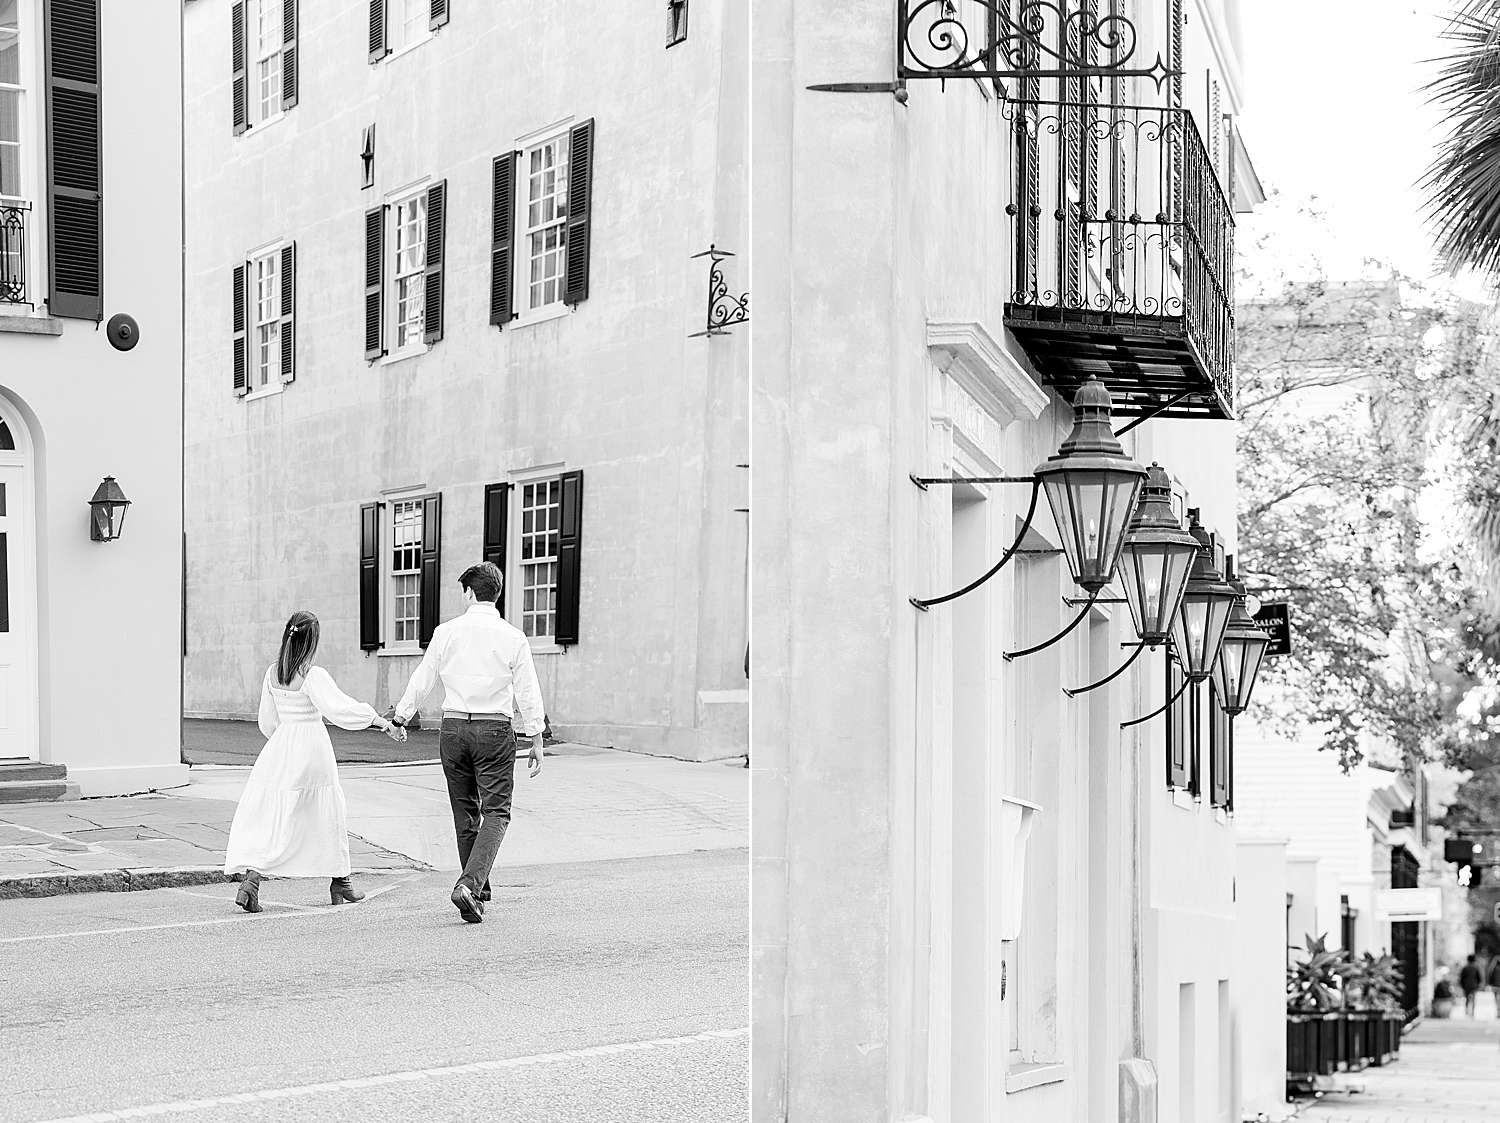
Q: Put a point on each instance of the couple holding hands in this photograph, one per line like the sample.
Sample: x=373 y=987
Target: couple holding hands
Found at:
x=290 y=821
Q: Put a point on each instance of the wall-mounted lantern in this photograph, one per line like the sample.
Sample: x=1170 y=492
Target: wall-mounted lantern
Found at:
x=107 y=511
x=1157 y=561
x=1240 y=654
x=1092 y=488
x=1198 y=627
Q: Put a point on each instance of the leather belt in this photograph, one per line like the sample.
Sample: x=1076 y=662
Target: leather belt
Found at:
x=460 y=715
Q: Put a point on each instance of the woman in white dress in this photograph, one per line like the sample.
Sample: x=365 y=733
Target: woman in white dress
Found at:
x=290 y=820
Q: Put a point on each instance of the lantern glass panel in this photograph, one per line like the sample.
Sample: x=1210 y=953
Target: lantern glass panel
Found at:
x=1198 y=629
x=1092 y=510
x=1237 y=667
x=1154 y=575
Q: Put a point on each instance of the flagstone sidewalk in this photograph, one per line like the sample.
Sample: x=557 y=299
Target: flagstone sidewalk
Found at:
x=1448 y=1071
x=589 y=804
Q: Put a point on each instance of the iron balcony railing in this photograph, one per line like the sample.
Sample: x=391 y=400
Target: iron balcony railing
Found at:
x=13 y=251
x=1120 y=217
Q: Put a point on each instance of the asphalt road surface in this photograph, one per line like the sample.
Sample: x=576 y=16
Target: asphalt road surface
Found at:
x=593 y=992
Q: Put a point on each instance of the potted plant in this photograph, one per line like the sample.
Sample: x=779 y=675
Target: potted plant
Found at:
x=1442 y=999
x=1316 y=1042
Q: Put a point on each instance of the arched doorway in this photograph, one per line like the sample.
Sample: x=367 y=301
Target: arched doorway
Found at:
x=18 y=615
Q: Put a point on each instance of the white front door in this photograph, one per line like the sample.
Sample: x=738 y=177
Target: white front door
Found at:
x=17 y=738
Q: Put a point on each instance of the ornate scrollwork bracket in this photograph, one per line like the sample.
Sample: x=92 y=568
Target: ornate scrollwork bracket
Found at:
x=1029 y=39
x=724 y=311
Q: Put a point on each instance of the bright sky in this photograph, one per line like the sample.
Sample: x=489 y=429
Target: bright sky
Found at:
x=1334 y=114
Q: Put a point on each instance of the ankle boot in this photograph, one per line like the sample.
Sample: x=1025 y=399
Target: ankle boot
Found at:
x=248 y=898
x=340 y=890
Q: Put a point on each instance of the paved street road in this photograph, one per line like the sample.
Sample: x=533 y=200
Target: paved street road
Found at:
x=115 y=1001
x=1449 y=1072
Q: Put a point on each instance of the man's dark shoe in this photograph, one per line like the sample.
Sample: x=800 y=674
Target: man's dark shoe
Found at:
x=470 y=907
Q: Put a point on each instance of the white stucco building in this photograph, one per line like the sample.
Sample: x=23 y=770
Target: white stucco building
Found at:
x=90 y=227
x=936 y=271
x=442 y=307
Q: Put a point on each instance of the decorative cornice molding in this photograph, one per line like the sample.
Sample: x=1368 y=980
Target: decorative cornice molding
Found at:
x=966 y=352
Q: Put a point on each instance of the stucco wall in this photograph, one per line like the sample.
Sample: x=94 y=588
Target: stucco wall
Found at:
x=108 y=614
x=654 y=418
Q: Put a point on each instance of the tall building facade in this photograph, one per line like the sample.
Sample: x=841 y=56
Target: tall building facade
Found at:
x=447 y=303
x=983 y=893
x=90 y=364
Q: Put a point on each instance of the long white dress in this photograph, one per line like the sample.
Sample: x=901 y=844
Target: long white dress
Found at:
x=290 y=820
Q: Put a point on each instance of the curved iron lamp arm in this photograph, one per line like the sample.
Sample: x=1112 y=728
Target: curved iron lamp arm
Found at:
x=1186 y=682
x=1114 y=674
x=1036 y=488
x=1088 y=604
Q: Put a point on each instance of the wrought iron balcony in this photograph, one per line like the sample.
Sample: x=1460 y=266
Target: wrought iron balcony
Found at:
x=13 y=251
x=1124 y=256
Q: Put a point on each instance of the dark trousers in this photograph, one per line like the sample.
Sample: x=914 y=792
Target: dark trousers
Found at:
x=479 y=763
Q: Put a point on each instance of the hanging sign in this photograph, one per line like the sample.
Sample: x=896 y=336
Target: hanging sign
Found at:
x=1277 y=620
x=1400 y=905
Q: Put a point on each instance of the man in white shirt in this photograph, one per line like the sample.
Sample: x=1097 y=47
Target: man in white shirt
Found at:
x=484 y=664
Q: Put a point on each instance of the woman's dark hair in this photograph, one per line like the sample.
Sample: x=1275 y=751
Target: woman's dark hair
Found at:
x=299 y=640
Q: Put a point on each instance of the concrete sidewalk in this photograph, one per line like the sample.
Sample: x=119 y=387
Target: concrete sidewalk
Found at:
x=588 y=804
x=1448 y=1071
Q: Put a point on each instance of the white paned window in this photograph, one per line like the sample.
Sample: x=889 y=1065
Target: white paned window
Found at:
x=268 y=33
x=406 y=571
x=10 y=99
x=541 y=522
x=407 y=22
x=265 y=361
x=544 y=223
x=409 y=247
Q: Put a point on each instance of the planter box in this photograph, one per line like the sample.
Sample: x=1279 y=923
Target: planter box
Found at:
x=1302 y=1046
x=1359 y=1032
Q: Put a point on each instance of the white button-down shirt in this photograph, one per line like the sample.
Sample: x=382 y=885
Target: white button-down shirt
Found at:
x=484 y=663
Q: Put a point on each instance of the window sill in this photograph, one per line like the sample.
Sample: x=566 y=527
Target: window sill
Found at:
x=546 y=647
x=260 y=126
x=268 y=392
x=406 y=353
x=550 y=312
x=407 y=48
x=412 y=652
x=1020 y=1077
x=30 y=325
x=1220 y=817
x=1182 y=798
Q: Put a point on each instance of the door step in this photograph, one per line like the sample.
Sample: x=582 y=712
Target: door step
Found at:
x=30 y=781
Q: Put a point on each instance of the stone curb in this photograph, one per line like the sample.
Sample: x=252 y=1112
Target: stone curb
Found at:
x=109 y=881
x=136 y=880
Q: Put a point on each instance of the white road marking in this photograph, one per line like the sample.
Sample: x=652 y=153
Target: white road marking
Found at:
x=398 y=1077
x=293 y=911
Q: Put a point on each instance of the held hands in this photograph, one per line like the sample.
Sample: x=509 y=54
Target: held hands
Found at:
x=393 y=731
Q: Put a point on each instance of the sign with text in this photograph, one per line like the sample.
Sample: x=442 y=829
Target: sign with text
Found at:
x=1277 y=620
x=1399 y=905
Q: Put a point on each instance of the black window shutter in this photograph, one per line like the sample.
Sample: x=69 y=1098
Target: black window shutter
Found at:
x=241 y=375
x=580 y=189
x=496 y=518
x=1219 y=733
x=288 y=312
x=369 y=577
x=432 y=288
x=239 y=90
x=374 y=272
x=1177 y=729
x=677 y=14
x=438 y=14
x=502 y=239
x=288 y=54
x=378 y=49
x=568 y=541
x=432 y=517
x=1192 y=702
x=75 y=196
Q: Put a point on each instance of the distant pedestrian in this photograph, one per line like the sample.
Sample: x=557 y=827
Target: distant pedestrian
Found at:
x=290 y=820
x=1494 y=980
x=1470 y=979
x=484 y=663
